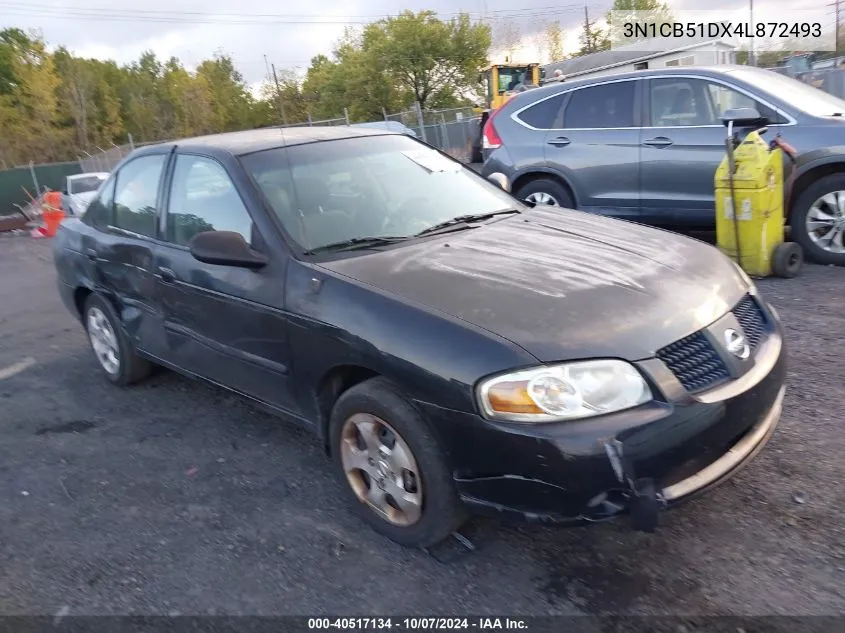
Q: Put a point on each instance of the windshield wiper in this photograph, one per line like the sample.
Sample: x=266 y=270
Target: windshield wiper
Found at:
x=464 y=220
x=357 y=243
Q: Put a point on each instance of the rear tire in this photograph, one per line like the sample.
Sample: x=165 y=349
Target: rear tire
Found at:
x=811 y=206
x=112 y=347
x=434 y=510
x=547 y=192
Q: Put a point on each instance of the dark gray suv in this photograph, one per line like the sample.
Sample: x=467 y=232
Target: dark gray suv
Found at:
x=645 y=146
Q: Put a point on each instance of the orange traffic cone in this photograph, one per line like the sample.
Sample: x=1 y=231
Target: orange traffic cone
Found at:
x=52 y=213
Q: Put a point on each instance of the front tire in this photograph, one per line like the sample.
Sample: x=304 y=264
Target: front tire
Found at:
x=545 y=191
x=391 y=467
x=111 y=345
x=818 y=220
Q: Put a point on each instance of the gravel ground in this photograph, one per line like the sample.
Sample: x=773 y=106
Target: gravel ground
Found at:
x=175 y=497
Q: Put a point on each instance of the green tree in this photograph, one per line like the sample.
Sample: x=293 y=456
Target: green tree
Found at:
x=592 y=37
x=232 y=102
x=432 y=59
x=355 y=79
x=624 y=10
x=29 y=114
x=13 y=44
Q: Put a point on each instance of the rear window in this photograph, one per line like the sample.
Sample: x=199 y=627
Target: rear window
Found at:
x=543 y=115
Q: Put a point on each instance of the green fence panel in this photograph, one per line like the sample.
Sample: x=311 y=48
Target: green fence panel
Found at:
x=14 y=181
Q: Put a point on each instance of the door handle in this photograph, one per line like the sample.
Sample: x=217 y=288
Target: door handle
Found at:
x=167 y=275
x=659 y=141
x=91 y=254
x=560 y=141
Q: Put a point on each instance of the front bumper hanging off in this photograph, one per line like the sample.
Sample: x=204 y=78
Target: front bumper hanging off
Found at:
x=645 y=499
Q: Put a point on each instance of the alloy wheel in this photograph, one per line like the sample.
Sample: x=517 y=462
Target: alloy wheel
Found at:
x=542 y=198
x=381 y=469
x=103 y=340
x=826 y=222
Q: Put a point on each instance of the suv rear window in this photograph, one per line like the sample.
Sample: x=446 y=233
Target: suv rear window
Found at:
x=605 y=106
x=543 y=115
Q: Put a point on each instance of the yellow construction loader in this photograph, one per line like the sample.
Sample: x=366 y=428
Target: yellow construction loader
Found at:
x=501 y=82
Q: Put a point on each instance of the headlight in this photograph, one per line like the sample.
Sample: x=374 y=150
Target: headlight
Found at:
x=568 y=391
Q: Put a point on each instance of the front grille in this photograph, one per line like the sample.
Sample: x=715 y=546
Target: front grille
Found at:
x=750 y=317
x=694 y=362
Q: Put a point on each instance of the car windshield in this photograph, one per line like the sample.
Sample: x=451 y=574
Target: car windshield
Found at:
x=85 y=184
x=806 y=98
x=368 y=187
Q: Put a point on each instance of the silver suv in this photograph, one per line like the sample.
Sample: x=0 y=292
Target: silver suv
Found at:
x=645 y=146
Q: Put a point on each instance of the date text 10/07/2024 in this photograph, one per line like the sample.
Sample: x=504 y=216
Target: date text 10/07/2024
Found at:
x=721 y=29
x=480 y=624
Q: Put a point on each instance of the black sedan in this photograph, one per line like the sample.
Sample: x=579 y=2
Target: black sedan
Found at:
x=453 y=348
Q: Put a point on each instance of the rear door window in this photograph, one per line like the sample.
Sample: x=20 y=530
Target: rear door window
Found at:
x=608 y=105
x=99 y=212
x=136 y=195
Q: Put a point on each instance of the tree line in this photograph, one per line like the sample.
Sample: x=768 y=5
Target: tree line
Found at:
x=55 y=105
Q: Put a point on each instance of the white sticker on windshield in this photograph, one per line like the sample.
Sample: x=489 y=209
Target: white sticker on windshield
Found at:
x=432 y=161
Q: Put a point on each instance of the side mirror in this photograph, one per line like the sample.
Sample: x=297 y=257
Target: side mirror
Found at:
x=225 y=248
x=501 y=180
x=740 y=117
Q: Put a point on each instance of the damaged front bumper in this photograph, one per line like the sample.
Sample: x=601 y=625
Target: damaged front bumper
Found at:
x=645 y=499
x=634 y=462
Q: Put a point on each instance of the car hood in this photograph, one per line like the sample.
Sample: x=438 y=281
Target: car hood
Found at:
x=562 y=284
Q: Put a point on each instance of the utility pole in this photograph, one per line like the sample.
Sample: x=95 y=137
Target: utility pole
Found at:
x=751 y=60
x=836 y=4
x=279 y=95
x=588 y=36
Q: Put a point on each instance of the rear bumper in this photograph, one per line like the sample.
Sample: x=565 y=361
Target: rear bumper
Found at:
x=563 y=473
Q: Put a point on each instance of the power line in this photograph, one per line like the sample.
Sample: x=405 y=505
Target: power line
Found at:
x=30 y=5
x=173 y=16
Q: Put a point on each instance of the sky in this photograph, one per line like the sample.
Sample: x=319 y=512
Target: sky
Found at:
x=289 y=34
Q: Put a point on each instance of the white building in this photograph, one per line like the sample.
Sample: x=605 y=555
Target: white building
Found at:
x=704 y=52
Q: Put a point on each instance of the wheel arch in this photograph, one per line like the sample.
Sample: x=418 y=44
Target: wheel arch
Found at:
x=80 y=296
x=334 y=382
x=809 y=173
x=83 y=291
x=527 y=177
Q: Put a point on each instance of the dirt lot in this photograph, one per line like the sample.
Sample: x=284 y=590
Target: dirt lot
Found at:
x=174 y=497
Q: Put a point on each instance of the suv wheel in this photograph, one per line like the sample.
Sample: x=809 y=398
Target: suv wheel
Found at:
x=390 y=465
x=818 y=220
x=545 y=191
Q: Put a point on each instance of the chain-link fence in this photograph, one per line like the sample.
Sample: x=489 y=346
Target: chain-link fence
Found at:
x=344 y=120
x=105 y=159
x=452 y=131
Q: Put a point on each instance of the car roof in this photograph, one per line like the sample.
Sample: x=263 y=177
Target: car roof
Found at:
x=246 y=142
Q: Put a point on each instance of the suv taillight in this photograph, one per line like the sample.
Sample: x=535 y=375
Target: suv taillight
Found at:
x=490 y=138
